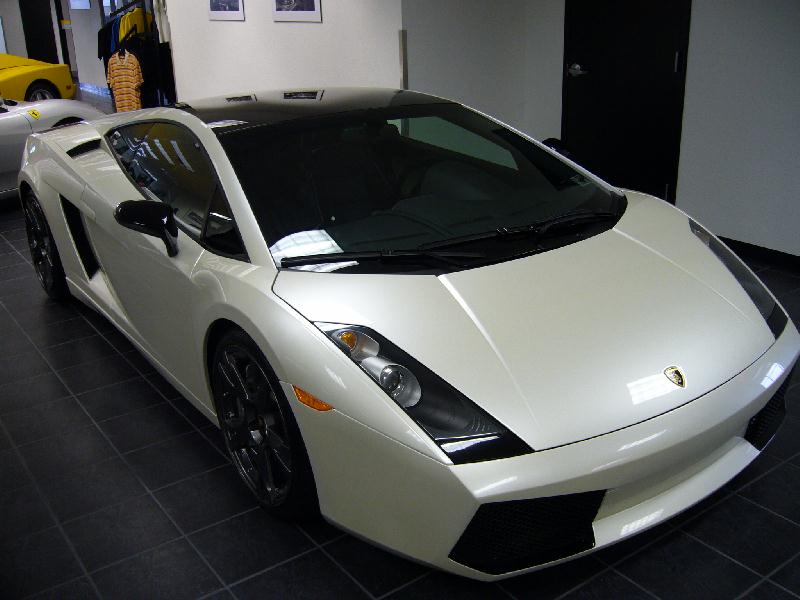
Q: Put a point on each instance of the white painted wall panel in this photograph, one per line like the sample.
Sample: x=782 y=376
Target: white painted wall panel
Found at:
x=356 y=44
x=740 y=150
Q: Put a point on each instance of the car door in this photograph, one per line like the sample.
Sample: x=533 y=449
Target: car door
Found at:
x=164 y=162
x=14 y=129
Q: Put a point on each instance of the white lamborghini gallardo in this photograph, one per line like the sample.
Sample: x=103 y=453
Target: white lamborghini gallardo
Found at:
x=436 y=331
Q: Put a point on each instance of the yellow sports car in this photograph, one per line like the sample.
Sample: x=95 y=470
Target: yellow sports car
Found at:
x=33 y=80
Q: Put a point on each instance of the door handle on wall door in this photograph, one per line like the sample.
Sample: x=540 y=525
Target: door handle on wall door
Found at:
x=575 y=70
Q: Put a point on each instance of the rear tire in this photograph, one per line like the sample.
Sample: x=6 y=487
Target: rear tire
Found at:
x=41 y=90
x=259 y=429
x=44 y=253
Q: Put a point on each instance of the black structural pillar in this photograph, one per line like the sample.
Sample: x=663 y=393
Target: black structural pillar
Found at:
x=37 y=25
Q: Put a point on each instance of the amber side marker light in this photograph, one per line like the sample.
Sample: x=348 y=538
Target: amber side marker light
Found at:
x=311 y=400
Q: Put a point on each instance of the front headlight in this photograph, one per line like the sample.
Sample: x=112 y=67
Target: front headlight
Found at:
x=464 y=431
x=773 y=314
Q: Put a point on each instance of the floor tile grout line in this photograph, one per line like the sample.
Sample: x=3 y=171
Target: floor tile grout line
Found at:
x=408 y=584
x=152 y=497
x=336 y=562
x=605 y=569
x=54 y=517
x=769 y=510
x=87 y=425
x=761 y=581
x=40 y=593
x=171 y=540
x=250 y=576
x=105 y=420
x=168 y=400
x=140 y=495
x=723 y=554
x=768 y=577
x=635 y=583
x=80 y=339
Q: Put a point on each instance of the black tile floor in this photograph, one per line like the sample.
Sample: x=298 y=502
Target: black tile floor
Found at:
x=113 y=486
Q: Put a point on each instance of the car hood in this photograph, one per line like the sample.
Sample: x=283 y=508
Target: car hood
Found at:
x=568 y=344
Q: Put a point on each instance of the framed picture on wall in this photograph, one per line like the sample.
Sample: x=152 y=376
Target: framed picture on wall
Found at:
x=226 y=10
x=297 y=10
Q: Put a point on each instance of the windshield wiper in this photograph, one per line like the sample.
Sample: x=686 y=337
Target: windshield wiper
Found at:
x=409 y=256
x=536 y=230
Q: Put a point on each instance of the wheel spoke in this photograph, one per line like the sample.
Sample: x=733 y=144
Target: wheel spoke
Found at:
x=263 y=468
x=238 y=435
x=233 y=375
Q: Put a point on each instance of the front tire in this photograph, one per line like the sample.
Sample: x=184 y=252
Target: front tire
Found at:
x=259 y=429
x=44 y=253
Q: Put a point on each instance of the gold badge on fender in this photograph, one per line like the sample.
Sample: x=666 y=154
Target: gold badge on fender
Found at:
x=676 y=376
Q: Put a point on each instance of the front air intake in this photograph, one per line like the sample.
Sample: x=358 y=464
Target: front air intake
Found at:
x=518 y=534
x=764 y=425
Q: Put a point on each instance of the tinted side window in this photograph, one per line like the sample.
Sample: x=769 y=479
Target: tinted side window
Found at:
x=171 y=165
x=221 y=234
x=125 y=141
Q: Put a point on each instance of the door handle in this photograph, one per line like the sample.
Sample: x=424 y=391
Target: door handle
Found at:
x=575 y=70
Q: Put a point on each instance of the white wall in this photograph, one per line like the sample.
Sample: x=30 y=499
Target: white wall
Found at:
x=12 y=25
x=85 y=25
x=503 y=58
x=544 y=56
x=356 y=44
x=740 y=152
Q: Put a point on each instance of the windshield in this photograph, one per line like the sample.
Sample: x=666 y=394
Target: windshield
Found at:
x=407 y=179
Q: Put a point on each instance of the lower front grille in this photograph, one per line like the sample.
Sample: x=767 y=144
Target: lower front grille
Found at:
x=514 y=535
x=764 y=425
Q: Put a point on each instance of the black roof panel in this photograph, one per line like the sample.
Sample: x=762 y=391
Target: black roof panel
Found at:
x=229 y=113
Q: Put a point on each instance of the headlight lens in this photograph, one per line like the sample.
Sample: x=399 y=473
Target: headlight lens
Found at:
x=773 y=314
x=464 y=431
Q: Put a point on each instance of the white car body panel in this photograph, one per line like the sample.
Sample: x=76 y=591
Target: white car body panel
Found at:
x=552 y=345
x=566 y=353
x=17 y=122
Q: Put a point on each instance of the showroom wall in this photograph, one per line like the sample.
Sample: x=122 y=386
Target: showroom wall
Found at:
x=85 y=24
x=356 y=44
x=739 y=159
x=12 y=26
x=503 y=58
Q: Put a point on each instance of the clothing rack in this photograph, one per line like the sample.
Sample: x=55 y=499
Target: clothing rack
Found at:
x=125 y=7
x=148 y=28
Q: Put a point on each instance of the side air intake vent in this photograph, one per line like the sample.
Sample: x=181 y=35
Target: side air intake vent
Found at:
x=764 y=425
x=79 y=237
x=509 y=536
x=84 y=148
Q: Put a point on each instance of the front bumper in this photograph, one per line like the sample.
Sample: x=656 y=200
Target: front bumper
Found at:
x=393 y=496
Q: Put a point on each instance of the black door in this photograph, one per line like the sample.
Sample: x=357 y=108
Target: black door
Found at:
x=37 y=25
x=624 y=74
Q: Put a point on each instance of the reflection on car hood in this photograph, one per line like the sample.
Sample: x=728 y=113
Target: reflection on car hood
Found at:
x=568 y=344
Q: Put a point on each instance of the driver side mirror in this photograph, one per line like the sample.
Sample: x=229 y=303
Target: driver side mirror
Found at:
x=150 y=218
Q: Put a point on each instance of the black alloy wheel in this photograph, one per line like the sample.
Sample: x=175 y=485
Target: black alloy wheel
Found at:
x=261 y=435
x=44 y=253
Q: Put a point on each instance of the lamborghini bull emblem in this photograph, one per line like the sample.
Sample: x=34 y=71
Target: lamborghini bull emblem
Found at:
x=676 y=376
